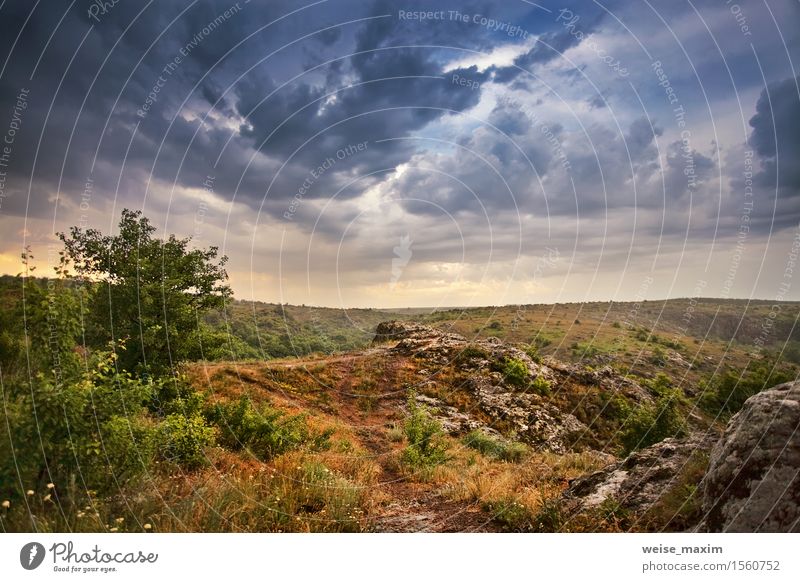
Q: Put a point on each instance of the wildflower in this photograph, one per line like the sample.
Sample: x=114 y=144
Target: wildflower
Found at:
x=119 y=519
x=147 y=526
x=6 y=504
x=50 y=485
x=29 y=492
x=47 y=497
x=113 y=529
x=81 y=514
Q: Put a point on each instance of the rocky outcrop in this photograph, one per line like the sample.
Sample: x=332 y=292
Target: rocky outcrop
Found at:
x=514 y=407
x=639 y=481
x=753 y=479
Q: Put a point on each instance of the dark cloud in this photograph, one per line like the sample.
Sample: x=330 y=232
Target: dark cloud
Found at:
x=776 y=136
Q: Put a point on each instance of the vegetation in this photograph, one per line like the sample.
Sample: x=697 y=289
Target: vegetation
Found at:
x=119 y=418
x=648 y=424
x=515 y=372
x=147 y=289
x=724 y=394
x=510 y=451
x=264 y=432
x=426 y=446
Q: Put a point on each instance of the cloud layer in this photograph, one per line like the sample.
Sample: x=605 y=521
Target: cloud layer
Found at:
x=311 y=142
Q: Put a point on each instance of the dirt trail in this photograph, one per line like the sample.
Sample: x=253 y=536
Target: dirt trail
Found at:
x=411 y=506
x=419 y=507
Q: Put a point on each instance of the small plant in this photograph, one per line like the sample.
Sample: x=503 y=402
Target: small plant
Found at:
x=584 y=350
x=550 y=517
x=471 y=353
x=512 y=452
x=616 y=325
x=648 y=424
x=511 y=514
x=183 y=440
x=426 y=447
x=541 y=386
x=658 y=357
x=265 y=432
x=725 y=394
x=515 y=372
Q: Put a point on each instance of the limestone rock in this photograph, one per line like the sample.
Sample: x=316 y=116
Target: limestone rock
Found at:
x=753 y=479
x=638 y=481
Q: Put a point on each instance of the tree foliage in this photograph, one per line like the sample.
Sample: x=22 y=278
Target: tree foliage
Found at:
x=151 y=290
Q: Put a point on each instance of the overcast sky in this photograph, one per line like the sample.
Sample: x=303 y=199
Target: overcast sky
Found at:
x=357 y=153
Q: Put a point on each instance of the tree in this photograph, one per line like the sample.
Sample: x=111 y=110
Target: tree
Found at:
x=150 y=291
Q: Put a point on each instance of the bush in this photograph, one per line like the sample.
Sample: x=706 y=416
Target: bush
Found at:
x=584 y=350
x=426 y=446
x=658 y=357
x=515 y=372
x=471 y=353
x=724 y=395
x=265 y=432
x=541 y=386
x=648 y=424
x=511 y=514
x=183 y=440
x=93 y=428
x=512 y=452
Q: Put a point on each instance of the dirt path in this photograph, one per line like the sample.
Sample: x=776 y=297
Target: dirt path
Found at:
x=410 y=506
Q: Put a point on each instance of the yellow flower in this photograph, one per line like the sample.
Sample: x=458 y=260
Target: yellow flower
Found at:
x=113 y=529
x=148 y=526
x=29 y=492
x=6 y=504
x=50 y=485
x=120 y=519
x=47 y=497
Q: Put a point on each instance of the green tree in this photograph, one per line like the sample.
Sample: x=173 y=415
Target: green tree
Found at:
x=152 y=290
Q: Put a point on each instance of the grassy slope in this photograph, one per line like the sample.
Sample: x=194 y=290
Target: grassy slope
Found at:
x=359 y=483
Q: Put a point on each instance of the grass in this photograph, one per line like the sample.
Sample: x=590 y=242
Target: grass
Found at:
x=509 y=451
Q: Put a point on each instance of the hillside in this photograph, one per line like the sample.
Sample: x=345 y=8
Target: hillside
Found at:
x=517 y=418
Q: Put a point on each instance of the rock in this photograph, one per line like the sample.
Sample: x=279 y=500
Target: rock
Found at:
x=638 y=481
x=752 y=483
x=529 y=415
x=452 y=421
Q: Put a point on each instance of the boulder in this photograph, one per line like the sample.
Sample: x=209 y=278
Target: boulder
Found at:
x=638 y=482
x=753 y=479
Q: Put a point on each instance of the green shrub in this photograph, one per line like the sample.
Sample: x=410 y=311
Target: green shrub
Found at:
x=265 y=432
x=426 y=446
x=725 y=394
x=550 y=517
x=658 y=357
x=512 y=452
x=183 y=440
x=648 y=424
x=515 y=372
x=471 y=353
x=541 y=386
x=511 y=514
x=533 y=353
x=584 y=350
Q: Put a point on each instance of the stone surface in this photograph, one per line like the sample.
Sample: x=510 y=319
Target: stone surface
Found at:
x=753 y=481
x=638 y=481
x=530 y=416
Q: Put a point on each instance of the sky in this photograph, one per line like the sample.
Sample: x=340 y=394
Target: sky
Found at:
x=394 y=153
